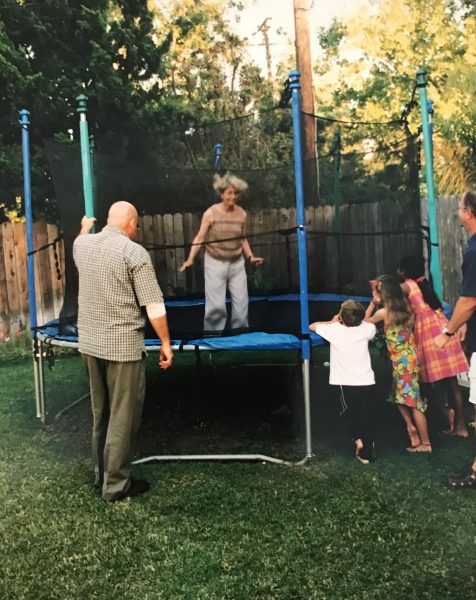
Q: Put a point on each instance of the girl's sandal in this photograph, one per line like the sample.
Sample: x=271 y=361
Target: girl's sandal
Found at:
x=467 y=483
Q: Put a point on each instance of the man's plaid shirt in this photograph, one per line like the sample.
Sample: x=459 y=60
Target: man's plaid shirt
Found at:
x=116 y=279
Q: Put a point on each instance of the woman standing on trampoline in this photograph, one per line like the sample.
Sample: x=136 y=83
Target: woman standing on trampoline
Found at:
x=223 y=228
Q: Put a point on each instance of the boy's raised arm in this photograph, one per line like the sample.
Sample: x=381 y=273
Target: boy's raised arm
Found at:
x=335 y=319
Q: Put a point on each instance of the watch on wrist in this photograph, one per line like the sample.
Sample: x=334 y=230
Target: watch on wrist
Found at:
x=448 y=333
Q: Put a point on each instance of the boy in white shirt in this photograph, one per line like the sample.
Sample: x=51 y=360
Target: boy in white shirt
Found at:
x=351 y=369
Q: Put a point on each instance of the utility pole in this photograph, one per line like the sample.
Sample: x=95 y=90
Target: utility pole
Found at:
x=304 y=64
x=264 y=28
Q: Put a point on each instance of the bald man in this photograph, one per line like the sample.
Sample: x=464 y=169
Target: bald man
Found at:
x=117 y=286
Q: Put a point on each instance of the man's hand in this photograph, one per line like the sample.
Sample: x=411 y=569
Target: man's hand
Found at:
x=166 y=356
x=256 y=260
x=87 y=223
x=461 y=333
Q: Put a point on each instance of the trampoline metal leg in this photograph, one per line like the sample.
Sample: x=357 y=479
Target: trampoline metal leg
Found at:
x=307 y=410
x=38 y=374
x=253 y=457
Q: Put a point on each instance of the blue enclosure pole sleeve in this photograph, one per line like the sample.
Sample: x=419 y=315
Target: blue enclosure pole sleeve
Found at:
x=217 y=158
x=435 y=265
x=85 y=156
x=217 y=167
x=295 y=86
x=25 y=141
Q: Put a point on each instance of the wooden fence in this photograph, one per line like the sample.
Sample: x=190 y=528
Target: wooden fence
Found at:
x=14 y=308
x=335 y=263
x=452 y=243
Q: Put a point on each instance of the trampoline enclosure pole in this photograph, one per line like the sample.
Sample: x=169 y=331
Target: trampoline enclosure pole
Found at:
x=295 y=86
x=85 y=156
x=25 y=140
x=92 y=155
x=435 y=268
x=30 y=264
x=337 y=159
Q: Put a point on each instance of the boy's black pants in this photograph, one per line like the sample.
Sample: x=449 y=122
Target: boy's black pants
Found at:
x=358 y=415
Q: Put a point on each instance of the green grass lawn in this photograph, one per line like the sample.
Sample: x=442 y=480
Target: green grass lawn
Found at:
x=333 y=529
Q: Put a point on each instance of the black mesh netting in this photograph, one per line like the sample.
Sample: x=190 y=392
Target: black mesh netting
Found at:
x=362 y=208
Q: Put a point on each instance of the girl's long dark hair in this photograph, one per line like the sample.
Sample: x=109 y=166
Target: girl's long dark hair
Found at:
x=413 y=267
x=397 y=308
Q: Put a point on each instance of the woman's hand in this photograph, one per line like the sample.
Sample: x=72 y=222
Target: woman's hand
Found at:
x=256 y=260
x=186 y=263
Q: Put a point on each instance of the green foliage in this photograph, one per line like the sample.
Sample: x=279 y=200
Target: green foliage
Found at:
x=57 y=50
x=142 y=70
x=329 y=39
x=369 y=66
x=206 y=71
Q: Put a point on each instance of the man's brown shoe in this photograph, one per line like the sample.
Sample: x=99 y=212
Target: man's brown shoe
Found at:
x=137 y=487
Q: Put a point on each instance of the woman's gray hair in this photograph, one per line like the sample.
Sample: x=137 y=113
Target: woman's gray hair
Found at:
x=228 y=180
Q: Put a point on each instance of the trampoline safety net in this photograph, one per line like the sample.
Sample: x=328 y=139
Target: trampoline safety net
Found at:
x=362 y=209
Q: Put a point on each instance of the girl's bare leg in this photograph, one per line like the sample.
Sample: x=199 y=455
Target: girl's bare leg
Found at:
x=422 y=428
x=406 y=413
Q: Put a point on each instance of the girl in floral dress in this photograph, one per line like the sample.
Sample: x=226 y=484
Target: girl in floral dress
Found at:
x=398 y=318
x=436 y=365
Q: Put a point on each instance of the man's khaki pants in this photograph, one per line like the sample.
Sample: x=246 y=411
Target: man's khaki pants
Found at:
x=117 y=399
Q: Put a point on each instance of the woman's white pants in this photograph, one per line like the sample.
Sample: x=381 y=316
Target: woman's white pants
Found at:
x=220 y=275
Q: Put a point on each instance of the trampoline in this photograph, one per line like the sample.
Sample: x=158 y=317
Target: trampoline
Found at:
x=277 y=333
x=280 y=307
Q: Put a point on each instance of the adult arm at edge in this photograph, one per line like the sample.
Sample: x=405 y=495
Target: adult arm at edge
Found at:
x=464 y=308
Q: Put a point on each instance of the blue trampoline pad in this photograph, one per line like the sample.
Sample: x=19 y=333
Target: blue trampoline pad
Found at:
x=274 y=324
